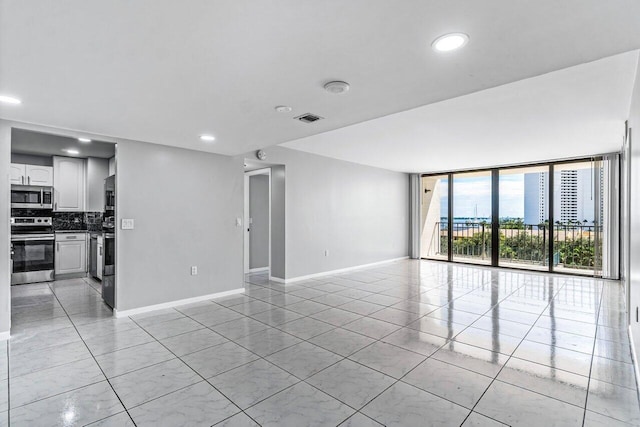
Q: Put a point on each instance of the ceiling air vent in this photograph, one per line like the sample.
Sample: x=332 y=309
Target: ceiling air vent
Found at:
x=308 y=118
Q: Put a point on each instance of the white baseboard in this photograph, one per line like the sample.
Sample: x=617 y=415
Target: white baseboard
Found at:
x=634 y=356
x=332 y=272
x=259 y=269
x=5 y=335
x=171 y=304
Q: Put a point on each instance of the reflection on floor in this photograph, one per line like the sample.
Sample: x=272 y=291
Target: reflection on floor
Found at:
x=408 y=343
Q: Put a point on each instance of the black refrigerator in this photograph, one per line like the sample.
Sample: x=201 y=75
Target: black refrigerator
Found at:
x=109 y=242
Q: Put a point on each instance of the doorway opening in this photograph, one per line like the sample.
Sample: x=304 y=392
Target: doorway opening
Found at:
x=62 y=215
x=257 y=221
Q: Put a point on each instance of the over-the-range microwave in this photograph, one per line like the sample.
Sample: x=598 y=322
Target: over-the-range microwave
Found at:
x=31 y=197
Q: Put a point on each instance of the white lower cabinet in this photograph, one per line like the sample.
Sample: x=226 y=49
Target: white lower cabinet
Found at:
x=71 y=253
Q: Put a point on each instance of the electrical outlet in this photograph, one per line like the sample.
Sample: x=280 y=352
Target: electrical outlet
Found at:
x=127 y=224
x=194 y=270
x=326 y=252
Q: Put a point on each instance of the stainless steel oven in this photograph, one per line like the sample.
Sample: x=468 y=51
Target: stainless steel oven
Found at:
x=32 y=250
x=31 y=197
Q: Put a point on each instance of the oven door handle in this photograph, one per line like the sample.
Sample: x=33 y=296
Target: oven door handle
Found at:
x=30 y=239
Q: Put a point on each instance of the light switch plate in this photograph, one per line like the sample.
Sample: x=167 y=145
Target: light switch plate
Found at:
x=127 y=224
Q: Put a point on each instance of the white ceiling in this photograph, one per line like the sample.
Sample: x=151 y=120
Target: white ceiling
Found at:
x=39 y=143
x=165 y=71
x=573 y=112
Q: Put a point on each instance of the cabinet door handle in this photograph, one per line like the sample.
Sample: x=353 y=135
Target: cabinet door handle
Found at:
x=55 y=206
x=21 y=179
x=29 y=180
x=100 y=251
x=57 y=247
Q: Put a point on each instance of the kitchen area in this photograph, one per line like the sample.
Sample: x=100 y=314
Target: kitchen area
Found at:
x=63 y=193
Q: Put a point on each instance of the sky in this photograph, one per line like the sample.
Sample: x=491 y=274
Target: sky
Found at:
x=476 y=191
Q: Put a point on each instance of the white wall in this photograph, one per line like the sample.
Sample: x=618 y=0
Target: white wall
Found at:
x=360 y=214
x=29 y=159
x=634 y=214
x=185 y=204
x=5 y=241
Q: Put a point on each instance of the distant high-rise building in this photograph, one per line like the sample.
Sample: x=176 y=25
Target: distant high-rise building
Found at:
x=535 y=201
x=568 y=196
x=574 y=197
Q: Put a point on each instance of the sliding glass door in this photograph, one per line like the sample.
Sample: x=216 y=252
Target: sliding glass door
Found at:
x=524 y=218
x=471 y=228
x=559 y=217
x=578 y=210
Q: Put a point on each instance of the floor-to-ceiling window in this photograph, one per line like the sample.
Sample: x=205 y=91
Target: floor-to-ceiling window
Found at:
x=471 y=228
x=578 y=208
x=559 y=217
x=524 y=217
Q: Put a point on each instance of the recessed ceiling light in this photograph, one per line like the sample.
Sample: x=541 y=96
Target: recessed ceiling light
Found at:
x=337 y=87
x=283 y=109
x=6 y=99
x=71 y=151
x=450 y=42
x=207 y=138
x=84 y=139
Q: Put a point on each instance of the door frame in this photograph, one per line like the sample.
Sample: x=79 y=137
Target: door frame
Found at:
x=247 y=220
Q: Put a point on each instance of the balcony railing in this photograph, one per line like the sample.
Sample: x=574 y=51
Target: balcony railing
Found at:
x=576 y=245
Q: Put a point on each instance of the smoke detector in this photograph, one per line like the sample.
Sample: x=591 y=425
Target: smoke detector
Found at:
x=337 y=87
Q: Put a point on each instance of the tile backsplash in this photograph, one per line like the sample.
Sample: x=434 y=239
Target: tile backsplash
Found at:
x=81 y=221
x=93 y=220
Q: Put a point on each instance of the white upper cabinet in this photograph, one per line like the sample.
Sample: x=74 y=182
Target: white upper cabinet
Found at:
x=39 y=175
x=31 y=175
x=97 y=172
x=18 y=173
x=68 y=184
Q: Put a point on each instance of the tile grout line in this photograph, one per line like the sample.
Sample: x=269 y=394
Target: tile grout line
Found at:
x=333 y=327
x=94 y=359
x=524 y=339
x=595 y=340
x=396 y=380
x=197 y=373
x=495 y=378
x=342 y=358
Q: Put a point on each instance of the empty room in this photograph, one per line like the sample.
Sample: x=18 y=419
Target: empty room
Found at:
x=338 y=213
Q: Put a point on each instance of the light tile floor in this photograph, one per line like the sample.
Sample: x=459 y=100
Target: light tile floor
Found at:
x=410 y=343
